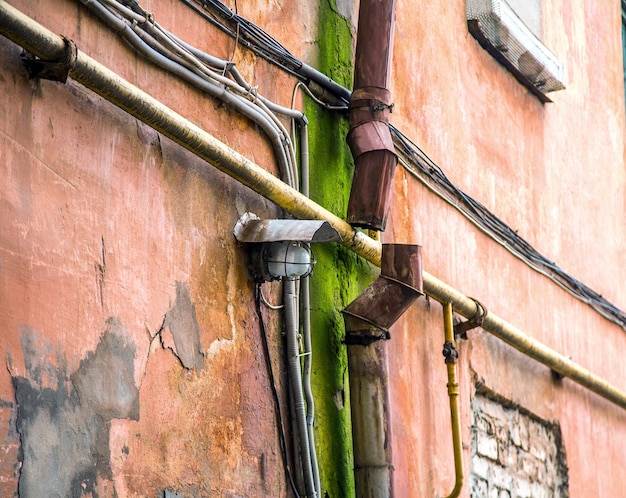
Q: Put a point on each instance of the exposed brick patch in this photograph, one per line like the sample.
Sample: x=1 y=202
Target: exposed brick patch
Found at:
x=514 y=453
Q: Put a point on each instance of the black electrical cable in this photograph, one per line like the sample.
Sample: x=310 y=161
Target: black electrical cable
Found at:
x=416 y=161
x=499 y=231
x=261 y=43
x=250 y=36
x=270 y=371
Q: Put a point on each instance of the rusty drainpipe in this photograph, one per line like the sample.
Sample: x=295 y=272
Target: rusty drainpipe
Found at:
x=43 y=43
x=367 y=321
x=369 y=137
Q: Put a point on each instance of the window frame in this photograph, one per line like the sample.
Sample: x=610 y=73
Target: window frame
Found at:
x=500 y=31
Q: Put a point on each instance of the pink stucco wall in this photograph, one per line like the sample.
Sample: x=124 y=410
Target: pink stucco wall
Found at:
x=112 y=237
x=102 y=218
x=553 y=172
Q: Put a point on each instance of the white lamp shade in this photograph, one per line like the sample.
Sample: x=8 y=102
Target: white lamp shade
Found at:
x=288 y=259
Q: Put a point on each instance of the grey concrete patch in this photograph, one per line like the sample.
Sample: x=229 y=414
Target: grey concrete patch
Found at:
x=64 y=422
x=183 y=325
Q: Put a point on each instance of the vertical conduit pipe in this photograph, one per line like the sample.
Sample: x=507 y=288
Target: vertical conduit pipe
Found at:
x=295 y=382
x=306 y=317
x=369 y=137
x=451 y=355
x=45 y=44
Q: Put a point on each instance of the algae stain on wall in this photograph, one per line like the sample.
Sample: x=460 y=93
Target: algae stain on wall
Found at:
x=339 y=275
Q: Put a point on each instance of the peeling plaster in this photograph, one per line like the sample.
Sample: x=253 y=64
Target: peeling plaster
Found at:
x=185 y=330
x=221 y=344
x=64 y=420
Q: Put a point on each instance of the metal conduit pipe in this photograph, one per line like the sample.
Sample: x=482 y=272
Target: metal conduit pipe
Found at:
x=43 y=43
x=210 y=60
x=451 y=355
x=230 y=68
x=295 y=383
x=306 y=381
x=324 y=82
x=306 y=318
x=180 y=51
x=220 y=92
x=180 y=54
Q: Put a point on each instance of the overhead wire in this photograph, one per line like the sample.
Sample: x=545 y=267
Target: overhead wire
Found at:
x=139 y=28
x=253 y=38
x=413 y=159
x=417 y=163
x=261 y=43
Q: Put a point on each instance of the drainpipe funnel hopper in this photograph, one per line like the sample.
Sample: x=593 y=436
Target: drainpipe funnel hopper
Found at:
x=369 y=317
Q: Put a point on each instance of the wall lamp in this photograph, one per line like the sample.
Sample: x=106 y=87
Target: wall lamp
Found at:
x=281 y=248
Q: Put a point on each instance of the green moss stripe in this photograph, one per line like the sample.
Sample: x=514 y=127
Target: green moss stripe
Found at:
x=339 y=275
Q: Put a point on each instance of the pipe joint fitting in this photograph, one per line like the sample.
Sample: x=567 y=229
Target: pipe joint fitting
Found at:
x=375 y=162
x=365 y=337
x=370 y=136
x=364 y=110
x=461 y=329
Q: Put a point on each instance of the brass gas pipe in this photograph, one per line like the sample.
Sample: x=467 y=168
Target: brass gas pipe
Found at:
x=46 y=45
x=451 y=355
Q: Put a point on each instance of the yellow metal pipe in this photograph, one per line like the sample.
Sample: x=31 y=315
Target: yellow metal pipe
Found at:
x=48 y=46
x=453 y=394
x=521 y=341
x=45 y=44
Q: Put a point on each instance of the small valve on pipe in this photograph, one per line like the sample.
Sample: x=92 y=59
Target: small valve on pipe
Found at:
x=450 y=352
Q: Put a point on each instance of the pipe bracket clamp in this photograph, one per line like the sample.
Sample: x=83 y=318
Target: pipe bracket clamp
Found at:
x=374 y=105
x=364 y=110
x=460 y=329
x=55 y=70
x=365 y=339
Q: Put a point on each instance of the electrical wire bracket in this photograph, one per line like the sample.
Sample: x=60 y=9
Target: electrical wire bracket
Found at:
x=55 y=70
x=460 y=329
